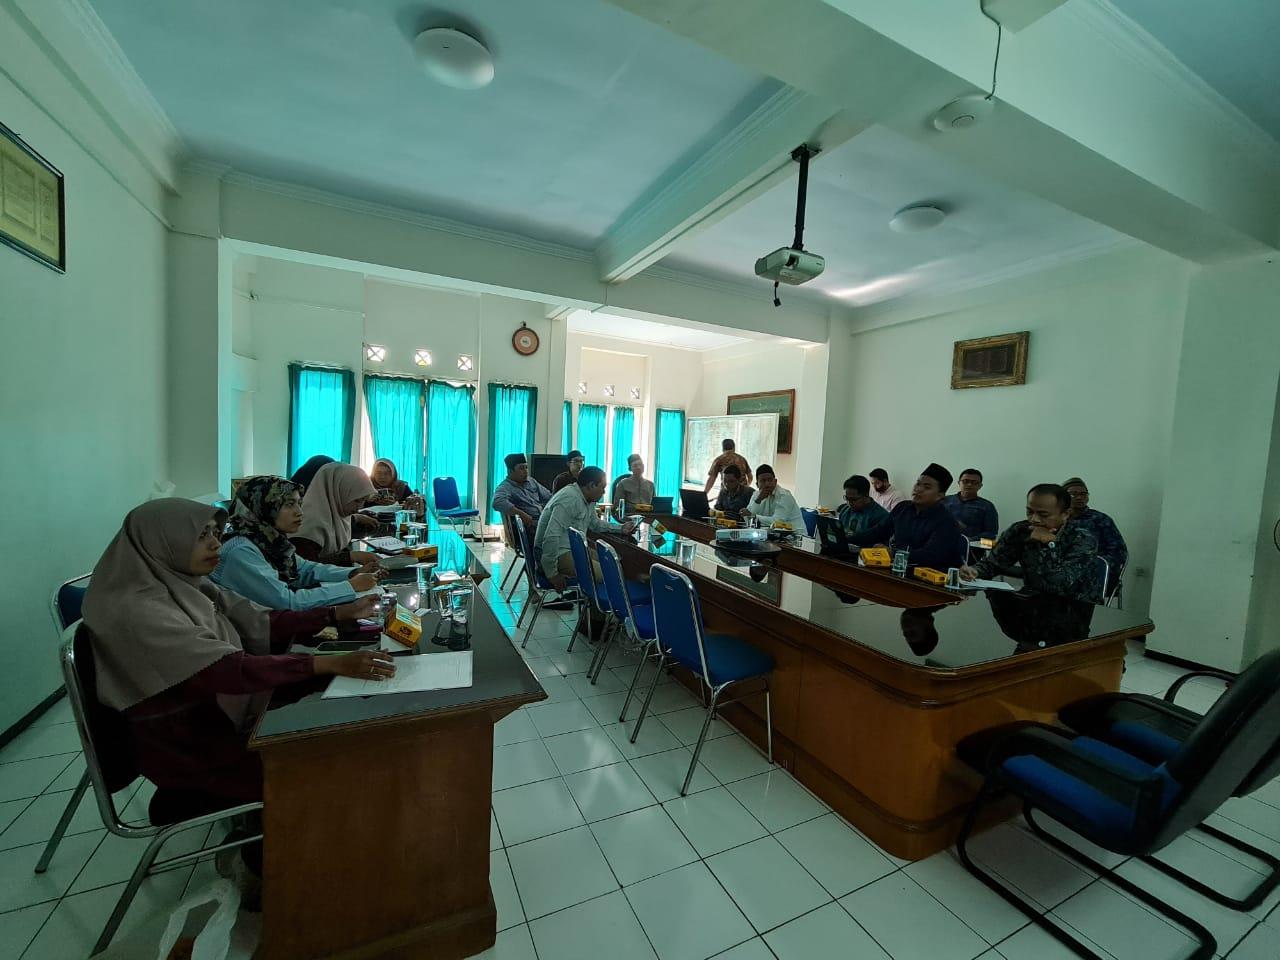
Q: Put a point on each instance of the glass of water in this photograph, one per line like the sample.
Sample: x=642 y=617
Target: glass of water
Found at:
x=685 y=550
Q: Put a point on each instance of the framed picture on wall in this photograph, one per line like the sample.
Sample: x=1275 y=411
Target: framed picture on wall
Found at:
x=990 y=361
x=781 y=402
x=32 y=214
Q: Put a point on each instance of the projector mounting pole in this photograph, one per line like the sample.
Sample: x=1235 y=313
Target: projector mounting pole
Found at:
x=801 y=155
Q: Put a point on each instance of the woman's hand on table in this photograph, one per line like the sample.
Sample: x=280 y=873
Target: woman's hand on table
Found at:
x=361 y=665
x=362 y=580
x=366 y=559
x=364 y=521
x=363 y=607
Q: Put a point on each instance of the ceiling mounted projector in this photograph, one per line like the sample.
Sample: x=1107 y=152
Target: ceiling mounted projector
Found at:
x=793 y=264
x=913 y=219
x=454 y=58
x=964 y=112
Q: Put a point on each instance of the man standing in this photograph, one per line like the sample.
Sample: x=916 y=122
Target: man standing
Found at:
x=885 y=493
x=1052 y=553
x=566 y=477
x=574 y=506
x=922 y=525
x=773 y=502
x=859 y=511
x=1111 y=546
x=735 y=495
x=729 y=456
x=976 y=515
x=519 y=494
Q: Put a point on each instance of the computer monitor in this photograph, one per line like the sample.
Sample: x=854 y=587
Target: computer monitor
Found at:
x=693 y=503
x=831 y=537
x=545 y=467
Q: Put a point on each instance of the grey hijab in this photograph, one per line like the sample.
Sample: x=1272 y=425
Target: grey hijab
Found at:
x=334 y=486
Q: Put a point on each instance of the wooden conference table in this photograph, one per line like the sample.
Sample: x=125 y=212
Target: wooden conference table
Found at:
x=376 y=813
x=869 y=699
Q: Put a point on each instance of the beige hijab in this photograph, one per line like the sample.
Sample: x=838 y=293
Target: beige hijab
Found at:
x=154 y=623
x=334 y=486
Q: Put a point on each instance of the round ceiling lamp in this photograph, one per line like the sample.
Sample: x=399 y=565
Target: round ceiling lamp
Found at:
x=454 y=58
x=963 y=113
x=913 y=219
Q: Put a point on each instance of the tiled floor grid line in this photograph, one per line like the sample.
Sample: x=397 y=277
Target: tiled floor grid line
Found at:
x=594 y=853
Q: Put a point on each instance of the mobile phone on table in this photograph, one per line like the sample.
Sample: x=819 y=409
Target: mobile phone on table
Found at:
x=342 y=646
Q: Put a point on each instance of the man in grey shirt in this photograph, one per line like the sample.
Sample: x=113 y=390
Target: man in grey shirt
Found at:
x=519 y=494
x=574 y=506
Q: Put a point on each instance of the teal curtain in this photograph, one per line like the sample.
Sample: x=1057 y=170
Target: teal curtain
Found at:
x=669 y=454
x=513 y=417
x=591 y=420
x=624 y=438
x=451 y=438
x=322 y=413
x=394 y=405
x=566 y=427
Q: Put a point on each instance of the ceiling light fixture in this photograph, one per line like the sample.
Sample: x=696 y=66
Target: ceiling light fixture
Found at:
x=454 y=58
x=917 y=217
x=968 y=111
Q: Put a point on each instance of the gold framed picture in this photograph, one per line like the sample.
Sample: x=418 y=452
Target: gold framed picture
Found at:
x=990 y=361
x=32 y=209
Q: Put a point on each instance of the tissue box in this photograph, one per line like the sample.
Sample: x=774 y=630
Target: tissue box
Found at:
x=875 y=557
x=930 y=575
x=425 y=551
x=404 y=626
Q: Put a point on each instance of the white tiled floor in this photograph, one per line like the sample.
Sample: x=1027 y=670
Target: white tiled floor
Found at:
x=595 y=854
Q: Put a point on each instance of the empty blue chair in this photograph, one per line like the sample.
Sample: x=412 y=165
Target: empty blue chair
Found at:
x=540 y=588
x=448 y=505
x=592 y=594
x=719 y=660
x=635 y=618
x=810 y=518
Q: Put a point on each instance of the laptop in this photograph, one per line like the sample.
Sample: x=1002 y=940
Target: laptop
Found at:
x=831 y=537
x=663 y=504
x=693 y=504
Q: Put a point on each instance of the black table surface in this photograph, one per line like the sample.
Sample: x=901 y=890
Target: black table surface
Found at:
x=498 y=674
x=987 y=626
x=452 y=554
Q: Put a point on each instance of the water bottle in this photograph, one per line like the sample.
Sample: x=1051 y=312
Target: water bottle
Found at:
x=622 y=511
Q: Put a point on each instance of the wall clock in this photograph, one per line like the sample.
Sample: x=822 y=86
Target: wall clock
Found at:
x=525 y=341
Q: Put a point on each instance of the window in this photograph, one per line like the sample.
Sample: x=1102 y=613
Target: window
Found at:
x=513 y=416
x=466 y=362
x=422 y=357
x=669 y=453
x=591 y=433
x=582 y=386
x=374 y=352
x=451 y=437
x=394 y=406
x=608 y=390
x=566 y=426
x=635 y=393
x=624 y=432
x=322 y=407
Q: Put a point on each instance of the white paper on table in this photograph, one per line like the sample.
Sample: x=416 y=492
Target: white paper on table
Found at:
x=428 y=671
x=986 y=585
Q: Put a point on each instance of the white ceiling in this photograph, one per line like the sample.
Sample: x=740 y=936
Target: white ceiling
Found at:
x=590 y=104
x=648 y=331
x=990 y=229
x=1231 y=44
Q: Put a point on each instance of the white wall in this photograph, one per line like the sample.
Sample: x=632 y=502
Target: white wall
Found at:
x=1098 y=401
x=82 y=391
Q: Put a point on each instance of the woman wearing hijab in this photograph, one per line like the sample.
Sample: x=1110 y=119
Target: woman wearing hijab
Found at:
x=260 y=562
x=307 y=472
x=386 y=478
x=338 y=491
x=191 y=666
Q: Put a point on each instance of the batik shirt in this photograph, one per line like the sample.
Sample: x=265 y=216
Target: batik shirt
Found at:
x=1067 y=567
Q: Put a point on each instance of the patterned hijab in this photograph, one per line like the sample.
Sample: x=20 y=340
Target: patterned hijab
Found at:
x=156 y=624
x=258 y=503
x=325 y=520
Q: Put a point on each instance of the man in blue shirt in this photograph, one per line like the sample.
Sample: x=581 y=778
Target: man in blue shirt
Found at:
x=859 y=511
x=1111 y=546
x=922 y=525
x=976 y=515
x=519 y=494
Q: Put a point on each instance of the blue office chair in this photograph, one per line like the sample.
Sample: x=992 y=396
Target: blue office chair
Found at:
x=104 y=738
x=513 y=541
x=64 y=606
x=1154 y=730
x=810 y=518
x=540 y=588
x=448 y=505
x=720 y=661
x=596 y=595
x=628 y=615
x=1120 y=801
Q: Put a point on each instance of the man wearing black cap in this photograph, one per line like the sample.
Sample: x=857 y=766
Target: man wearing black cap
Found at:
x=519 y=494
x=566 y=477
x=922 y=526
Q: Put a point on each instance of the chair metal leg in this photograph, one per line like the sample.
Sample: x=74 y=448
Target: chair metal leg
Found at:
x=63 y=822
x=605 y=643
x=577 y=627
x=515 y=585
x=1255 y=896
x=650 y=650
x=611 y=625
x=702 y=736
x=537 y=611
x=768 y=718
x=130 y=891
x=507 y=576
x=644 y=707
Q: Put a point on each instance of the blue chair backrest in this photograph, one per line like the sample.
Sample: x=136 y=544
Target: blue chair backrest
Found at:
x=582 y=564
x=614 y=585
x=810 y=518
x=445 y=490
x=677 y=616
x=69 y=600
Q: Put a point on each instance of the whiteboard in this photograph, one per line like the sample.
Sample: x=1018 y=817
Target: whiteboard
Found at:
x=754 y=434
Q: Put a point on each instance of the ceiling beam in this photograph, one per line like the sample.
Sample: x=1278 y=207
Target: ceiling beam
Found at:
x=1091 y=114
x=753 y=157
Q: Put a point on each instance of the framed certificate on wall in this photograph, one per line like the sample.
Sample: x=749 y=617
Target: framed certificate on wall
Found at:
x=32 y=208
x=781 y=402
